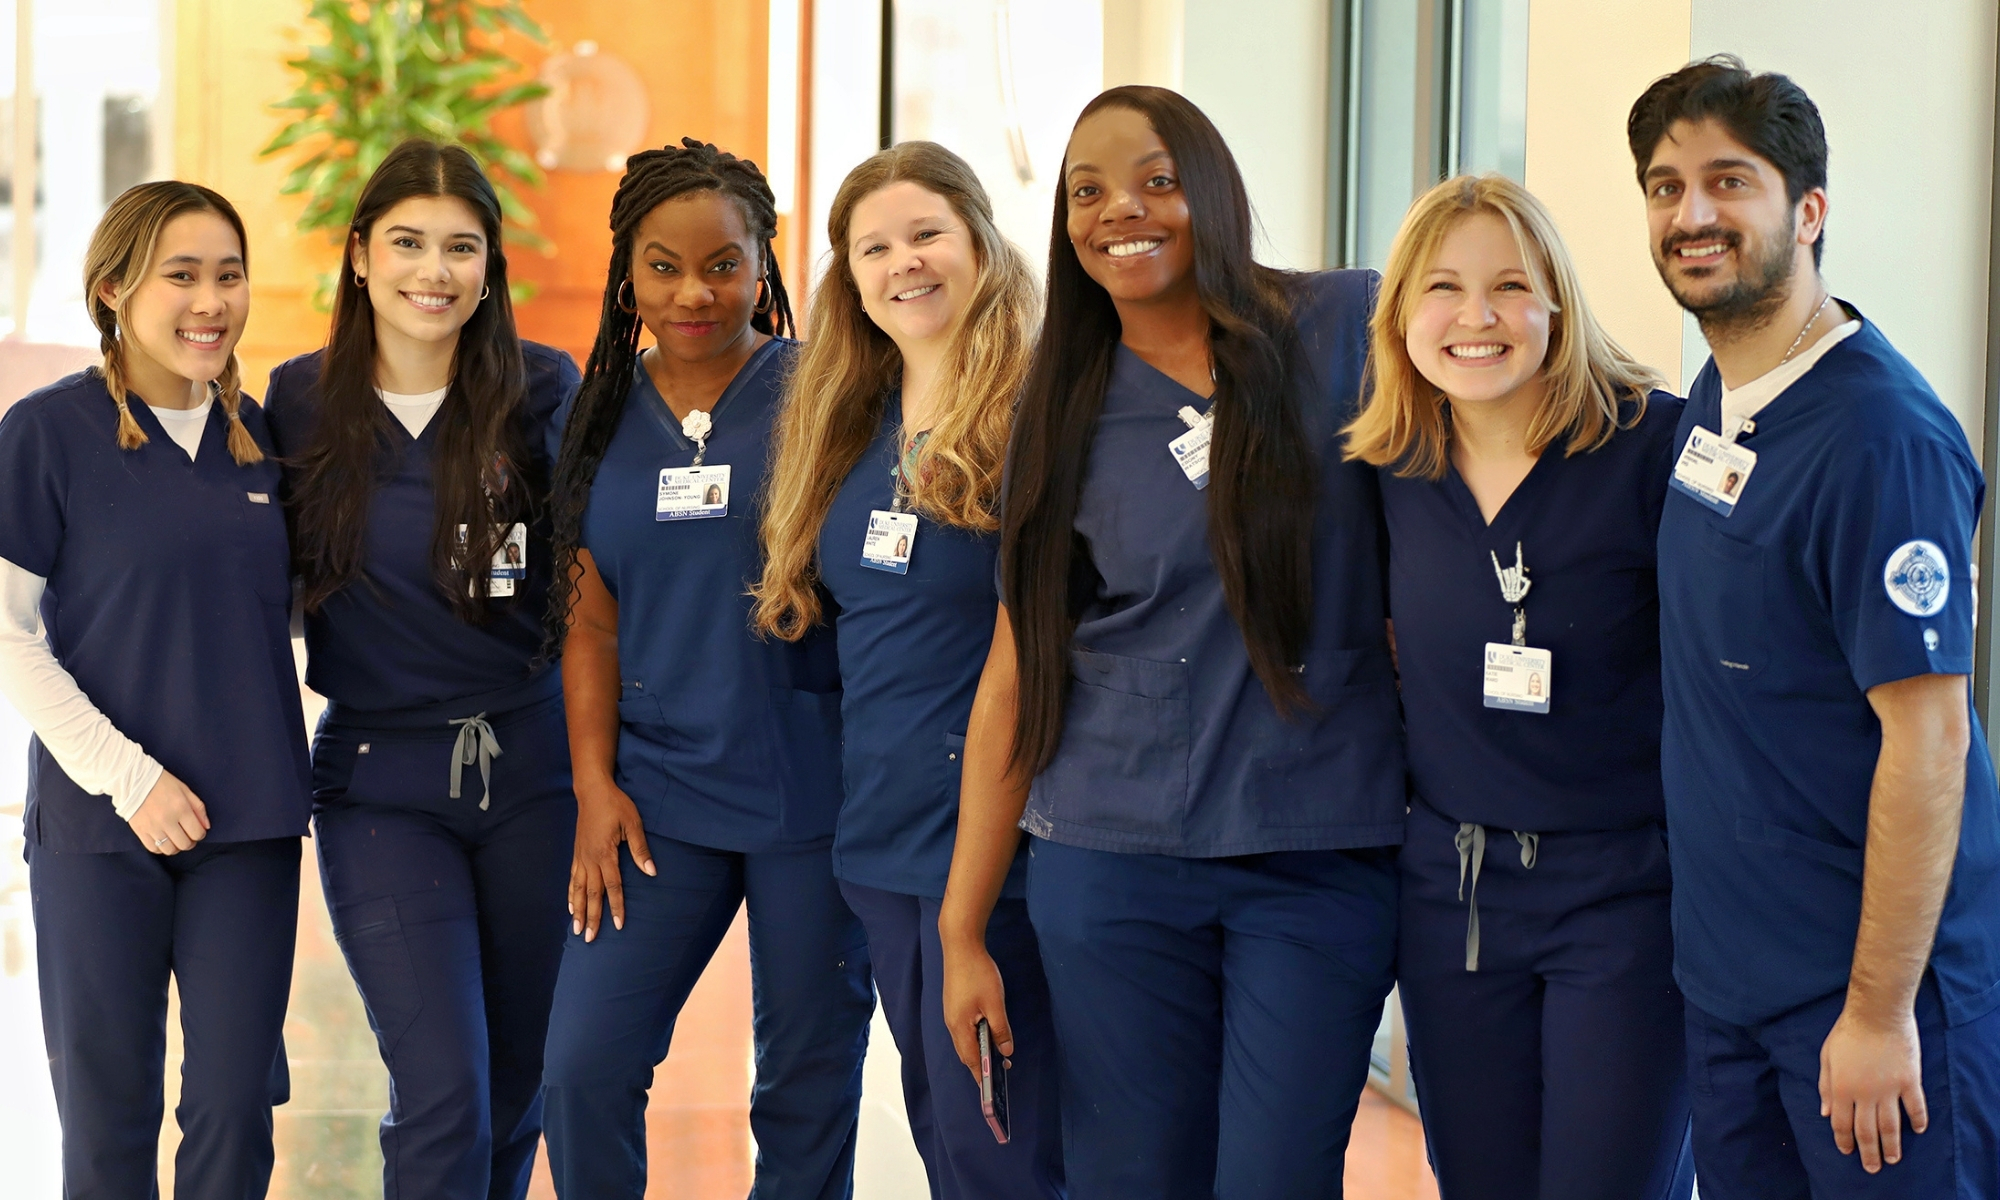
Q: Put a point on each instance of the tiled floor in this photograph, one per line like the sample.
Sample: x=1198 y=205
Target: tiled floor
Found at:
x=698 y=1134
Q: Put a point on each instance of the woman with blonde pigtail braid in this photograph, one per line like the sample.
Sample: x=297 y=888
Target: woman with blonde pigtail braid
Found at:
x=167 y=785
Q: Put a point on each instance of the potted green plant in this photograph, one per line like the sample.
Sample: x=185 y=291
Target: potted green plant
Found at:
x=396 y=69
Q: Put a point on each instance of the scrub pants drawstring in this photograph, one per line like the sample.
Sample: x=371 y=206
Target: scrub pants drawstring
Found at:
x=476 y=743
x=1471 y=843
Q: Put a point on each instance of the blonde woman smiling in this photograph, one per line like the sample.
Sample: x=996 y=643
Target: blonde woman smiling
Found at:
x=885 y=495
x=1524 y=461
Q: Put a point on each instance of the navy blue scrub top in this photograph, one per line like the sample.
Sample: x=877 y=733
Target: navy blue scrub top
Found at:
x=911 y=650
x=1775 y=622
x=168 y=601
x=1170 y=744
x=392 y=642
x=1587 y=525
x=725 y=740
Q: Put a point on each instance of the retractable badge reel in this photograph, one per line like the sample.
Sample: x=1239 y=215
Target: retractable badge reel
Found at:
x=694 y=492
x=1518 y=676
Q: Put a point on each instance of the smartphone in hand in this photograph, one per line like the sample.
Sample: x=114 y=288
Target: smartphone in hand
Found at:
x=992 y=1084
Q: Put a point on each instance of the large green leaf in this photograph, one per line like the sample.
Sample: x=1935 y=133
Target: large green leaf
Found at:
x=394 y=69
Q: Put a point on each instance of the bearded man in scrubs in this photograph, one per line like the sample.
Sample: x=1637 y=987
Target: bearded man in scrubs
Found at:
x=1830 y=798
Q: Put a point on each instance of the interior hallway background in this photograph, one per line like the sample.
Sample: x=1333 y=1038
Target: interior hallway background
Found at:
x=1339 y=110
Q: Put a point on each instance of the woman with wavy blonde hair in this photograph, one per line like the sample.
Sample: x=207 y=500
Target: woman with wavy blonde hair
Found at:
x=883 y=500
x=1524 y=461
x=143 y=635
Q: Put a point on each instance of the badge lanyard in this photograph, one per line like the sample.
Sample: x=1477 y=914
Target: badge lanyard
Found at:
x=1517 y=676
x=892 y=535
x=695 y=491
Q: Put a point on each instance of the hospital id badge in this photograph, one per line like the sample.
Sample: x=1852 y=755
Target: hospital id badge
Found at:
x=691 y=493
x=1518 y=677
x=891 y=537
x=1190 y=451
x=1713 y=471
x=510 y=561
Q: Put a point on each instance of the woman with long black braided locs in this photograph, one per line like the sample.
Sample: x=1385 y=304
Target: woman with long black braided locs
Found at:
x=710 y=755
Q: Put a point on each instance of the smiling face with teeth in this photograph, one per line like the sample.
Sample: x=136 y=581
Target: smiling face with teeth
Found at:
x=1128 y=216
x=180 y=324
x=1479 y=330
x=1727 y=239
x=425 y=263
x=914 y=263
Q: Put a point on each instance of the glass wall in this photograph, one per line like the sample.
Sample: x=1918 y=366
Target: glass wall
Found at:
x=96 y=138
x=999 y=82
x=1429 y=88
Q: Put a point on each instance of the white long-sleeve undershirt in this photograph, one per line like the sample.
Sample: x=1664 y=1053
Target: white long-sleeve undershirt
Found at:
x=83 y=741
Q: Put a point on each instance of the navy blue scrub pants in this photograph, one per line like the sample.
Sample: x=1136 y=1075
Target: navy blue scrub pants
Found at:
x=452 y=921
x=1556 y=1071
x=222 y=919
x=1758 y=1134
x=961 y=1157
x=1214 y=1016
x=619 y=996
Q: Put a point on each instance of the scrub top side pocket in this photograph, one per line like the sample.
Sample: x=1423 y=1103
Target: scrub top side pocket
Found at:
x=1731 y=613
x=805 y=748
x=1355 y=736
x=1123 y=761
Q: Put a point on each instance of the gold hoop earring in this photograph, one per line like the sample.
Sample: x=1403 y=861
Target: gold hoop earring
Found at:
x=618 y=298
x=764 y=297
x=485 y=292
x=360 y=280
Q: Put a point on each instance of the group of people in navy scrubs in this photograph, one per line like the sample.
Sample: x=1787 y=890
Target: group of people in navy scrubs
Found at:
x=1323 y=633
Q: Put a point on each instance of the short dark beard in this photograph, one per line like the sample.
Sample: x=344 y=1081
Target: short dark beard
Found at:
x=1748 y=304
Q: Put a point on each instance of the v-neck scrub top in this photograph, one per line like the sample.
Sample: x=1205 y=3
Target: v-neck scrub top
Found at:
x=911 y=650
x=725 y=740
x=1586 y=525
x=391 y=642
x=1844 y=565
x=1170 y=743
x=168 y=600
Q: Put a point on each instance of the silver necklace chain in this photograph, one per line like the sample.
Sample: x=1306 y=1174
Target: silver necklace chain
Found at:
x=1810 y=322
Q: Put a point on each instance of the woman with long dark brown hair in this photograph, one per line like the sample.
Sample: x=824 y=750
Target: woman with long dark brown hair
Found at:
x=143 y=636
x=416 y=456
x=707 y=758
x=1189 y=704
x=884 y=500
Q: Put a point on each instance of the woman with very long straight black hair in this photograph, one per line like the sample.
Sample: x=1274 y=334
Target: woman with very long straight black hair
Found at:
x=710 y=755
x=416 y=480
x=1189 y=704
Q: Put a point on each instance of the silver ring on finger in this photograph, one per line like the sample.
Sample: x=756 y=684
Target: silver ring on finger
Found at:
x=159 y=842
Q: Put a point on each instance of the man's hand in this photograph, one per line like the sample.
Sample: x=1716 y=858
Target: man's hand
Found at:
x=1865 y=1074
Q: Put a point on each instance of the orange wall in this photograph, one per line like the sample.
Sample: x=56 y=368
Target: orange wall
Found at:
x=703 y=63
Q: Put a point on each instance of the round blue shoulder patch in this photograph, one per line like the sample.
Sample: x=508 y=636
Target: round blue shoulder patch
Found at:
x=1917 y=578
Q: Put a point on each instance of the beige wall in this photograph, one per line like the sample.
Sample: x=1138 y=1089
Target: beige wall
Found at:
x=1258 y=69
x=1587 y=61
x=1906 y=91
